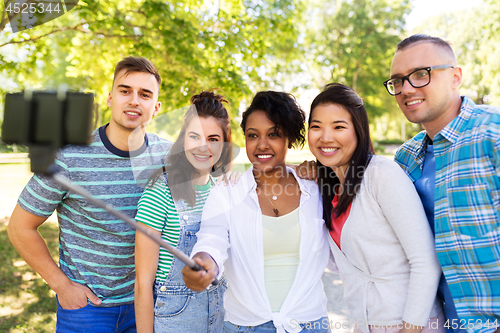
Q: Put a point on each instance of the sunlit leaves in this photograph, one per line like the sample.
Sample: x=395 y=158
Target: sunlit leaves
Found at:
x=475 y=37
x=352 y=42
x=197 y=45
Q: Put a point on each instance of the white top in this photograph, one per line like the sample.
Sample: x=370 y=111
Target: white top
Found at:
x=231 y=232
x=281 y=236
x=388 y=263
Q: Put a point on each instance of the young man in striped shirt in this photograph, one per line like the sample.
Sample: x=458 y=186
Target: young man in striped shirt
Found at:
x=455 y=166
x=94 y=281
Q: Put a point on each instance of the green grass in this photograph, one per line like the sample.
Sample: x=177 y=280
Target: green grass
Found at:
x=27 y=304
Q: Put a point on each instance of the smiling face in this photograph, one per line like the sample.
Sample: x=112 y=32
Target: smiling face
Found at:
x=203 y=143
x=434 y=105
x=266 y=147
x=133 y=100
x=332 y=138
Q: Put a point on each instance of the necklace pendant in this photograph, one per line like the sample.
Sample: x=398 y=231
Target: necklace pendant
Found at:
x=276 y=212
x=274 y=197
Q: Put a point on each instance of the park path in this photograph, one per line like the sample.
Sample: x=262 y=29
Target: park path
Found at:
x=13 y=177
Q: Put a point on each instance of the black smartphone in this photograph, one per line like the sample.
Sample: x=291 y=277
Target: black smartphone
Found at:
x=51 y=119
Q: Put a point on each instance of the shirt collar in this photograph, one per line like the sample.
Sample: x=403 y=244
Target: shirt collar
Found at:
x=118 y=152
x=452 y=131
x=416 y=147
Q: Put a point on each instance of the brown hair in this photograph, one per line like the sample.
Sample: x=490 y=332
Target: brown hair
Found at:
x=420 y=38
x=179 y=170
x=137 y=64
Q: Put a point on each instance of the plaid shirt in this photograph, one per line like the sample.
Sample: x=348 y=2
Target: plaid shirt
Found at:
x=467 y=208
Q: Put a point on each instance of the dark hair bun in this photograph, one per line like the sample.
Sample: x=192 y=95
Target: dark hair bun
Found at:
x=208 y=97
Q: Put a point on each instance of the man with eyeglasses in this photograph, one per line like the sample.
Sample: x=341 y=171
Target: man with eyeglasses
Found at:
x=455 y=166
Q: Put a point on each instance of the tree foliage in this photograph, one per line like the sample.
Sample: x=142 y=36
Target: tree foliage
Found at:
x=196 y=45
x=353 y=41
x=475 y=36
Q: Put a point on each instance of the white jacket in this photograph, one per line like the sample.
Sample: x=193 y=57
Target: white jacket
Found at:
x=231 y=232
x=388 y=263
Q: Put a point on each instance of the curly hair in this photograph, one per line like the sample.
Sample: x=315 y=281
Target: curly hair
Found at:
x=284 y=111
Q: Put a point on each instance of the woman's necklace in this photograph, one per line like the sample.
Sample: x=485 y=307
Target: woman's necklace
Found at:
x=275 y=197
x=275 y=210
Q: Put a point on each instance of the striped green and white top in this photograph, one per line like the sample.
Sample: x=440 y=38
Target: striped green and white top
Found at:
x=157 y=209
x=95 y=248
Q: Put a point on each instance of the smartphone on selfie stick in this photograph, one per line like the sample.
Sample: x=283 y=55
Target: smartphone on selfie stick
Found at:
x=46 y=121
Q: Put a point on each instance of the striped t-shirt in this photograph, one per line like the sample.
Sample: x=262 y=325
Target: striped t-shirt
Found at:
x=157 y=209
x=95 y=248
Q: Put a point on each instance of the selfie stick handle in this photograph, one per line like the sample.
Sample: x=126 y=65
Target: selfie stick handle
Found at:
x=133 y=223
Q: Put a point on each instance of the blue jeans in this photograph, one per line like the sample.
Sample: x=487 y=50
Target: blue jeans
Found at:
x=315 y=326
x=179 y=309
x=92 y=319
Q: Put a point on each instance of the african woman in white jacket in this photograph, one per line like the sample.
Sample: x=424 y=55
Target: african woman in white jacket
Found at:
x=267 y=232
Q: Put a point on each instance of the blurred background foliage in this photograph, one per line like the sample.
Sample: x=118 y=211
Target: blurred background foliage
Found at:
x=244 y=46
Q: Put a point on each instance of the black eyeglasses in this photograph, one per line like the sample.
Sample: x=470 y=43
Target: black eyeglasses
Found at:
x=418 y=78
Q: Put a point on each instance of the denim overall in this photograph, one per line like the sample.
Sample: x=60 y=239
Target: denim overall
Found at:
x=178 y=308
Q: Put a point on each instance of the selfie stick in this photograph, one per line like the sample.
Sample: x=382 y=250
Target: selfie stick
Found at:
x=133 y=223
x=42 y=121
